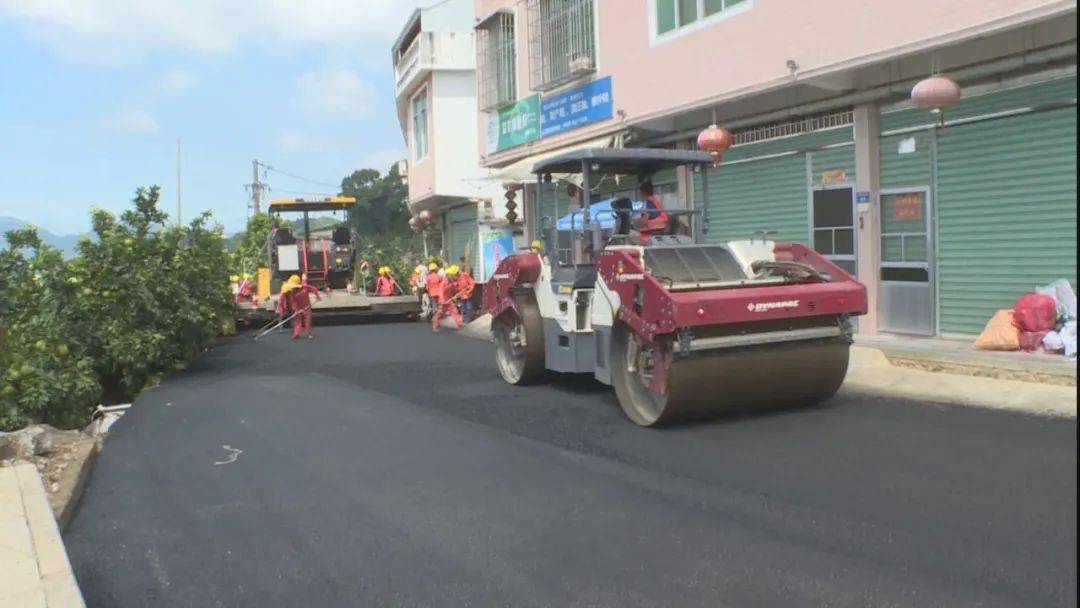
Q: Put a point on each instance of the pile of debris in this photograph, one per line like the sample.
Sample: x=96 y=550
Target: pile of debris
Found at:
x=1043 y=321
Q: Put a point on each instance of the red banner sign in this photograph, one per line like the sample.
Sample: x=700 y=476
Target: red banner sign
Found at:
x=907 y=207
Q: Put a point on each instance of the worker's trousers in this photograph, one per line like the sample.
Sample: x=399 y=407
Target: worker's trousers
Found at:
x=301 y=324
x=444 y=309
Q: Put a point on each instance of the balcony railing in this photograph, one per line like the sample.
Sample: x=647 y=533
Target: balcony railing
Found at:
x=434 y=51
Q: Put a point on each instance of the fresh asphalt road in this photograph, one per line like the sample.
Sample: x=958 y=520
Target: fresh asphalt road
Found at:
x=382 y=465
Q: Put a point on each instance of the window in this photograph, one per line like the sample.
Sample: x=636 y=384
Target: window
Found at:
x=420 y=125
x=496 y=61
x=674 y=14
x=562 y=44
x=834 y=226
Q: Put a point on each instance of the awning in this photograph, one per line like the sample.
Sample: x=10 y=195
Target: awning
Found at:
x=521 y=171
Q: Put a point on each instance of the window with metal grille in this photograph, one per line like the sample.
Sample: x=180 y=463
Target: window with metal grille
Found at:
x=562 y=43
x=496 y=61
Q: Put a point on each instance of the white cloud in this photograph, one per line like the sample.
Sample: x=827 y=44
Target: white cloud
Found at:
x=297 y=141
x=131 y=121
x=123 y=31
x=176 y=82
x=335 y=92
x=382 y=159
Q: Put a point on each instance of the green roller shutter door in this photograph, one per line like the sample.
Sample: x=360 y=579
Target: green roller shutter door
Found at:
x=765 y=186
x=1006 y=212
x=463 y=230
x=910 y=169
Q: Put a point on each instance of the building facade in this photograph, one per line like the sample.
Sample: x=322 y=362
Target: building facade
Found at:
x=945 y=218
x=435 y=86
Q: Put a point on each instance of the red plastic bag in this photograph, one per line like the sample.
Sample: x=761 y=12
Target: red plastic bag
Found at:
x=1035 y=312
x=1031 y=341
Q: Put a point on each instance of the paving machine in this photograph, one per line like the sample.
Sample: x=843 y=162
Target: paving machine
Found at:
x=681 y=327
x=327 y=261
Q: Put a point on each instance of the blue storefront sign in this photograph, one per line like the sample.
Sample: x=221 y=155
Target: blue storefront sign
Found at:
x=576 y=108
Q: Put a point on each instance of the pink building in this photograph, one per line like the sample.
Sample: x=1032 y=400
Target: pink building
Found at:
x=945 y=224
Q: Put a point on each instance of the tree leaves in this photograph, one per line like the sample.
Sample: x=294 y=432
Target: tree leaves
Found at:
x=136 y=300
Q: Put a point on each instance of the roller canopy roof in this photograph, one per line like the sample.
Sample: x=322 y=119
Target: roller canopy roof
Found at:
x=623 y=161
x=329 y=203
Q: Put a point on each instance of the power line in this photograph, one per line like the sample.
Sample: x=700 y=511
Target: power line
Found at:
x=300 y=177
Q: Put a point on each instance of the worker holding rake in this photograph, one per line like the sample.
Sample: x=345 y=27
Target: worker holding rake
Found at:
x=295 y=300
x=448 y=297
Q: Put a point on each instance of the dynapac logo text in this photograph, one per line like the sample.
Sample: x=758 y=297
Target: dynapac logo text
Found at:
x=764 y=306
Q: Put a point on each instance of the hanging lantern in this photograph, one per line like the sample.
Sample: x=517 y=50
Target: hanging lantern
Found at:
x=511 y=205
x=414 y=223
x=427 y=216
x=715 y=140
x=936 y=94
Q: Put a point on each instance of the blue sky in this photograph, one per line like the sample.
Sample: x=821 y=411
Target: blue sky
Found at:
x=94 y=93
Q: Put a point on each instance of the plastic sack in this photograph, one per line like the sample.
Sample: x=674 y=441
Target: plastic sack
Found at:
x=1052 y=342
x=1000 y=333
x=1068 y=337
x=1031 y=341
x=1035 y=312
x=1064 y=296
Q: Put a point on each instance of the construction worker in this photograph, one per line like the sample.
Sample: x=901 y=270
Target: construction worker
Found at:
x=448 y=296
x=295 y=299
x=384 y=285
x=655 y=219
x=465 y=287
x=432 y=285
x=245 y=292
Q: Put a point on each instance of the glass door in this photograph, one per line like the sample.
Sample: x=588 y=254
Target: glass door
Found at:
x=832 y=216
x=907 y=288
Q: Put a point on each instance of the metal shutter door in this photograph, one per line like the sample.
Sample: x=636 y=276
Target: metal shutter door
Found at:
x=766 y=194
x=1006 y=202
x=462 y=231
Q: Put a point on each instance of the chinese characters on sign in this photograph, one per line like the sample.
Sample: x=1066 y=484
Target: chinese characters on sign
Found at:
x=575 y=108
x=907 y=207
x=532 y=118
x=835 y=176
x=514 y=125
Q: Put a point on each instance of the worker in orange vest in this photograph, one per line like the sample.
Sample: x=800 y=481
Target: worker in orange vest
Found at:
x=384 y=285
x=448 y=296
x=295 y=299
x=465 y=287
x=654 y=220
x=432 y=284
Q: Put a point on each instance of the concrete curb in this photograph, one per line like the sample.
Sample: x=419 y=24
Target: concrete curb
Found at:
x=34 y=567
x=71 y=487
x=871 y=372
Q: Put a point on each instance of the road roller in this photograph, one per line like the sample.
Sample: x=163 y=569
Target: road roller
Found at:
x=681 y=326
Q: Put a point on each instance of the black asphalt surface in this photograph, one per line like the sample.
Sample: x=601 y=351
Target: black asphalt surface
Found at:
x=381 y=465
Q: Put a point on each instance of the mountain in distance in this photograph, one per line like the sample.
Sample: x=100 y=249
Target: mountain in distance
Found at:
x=65 y=243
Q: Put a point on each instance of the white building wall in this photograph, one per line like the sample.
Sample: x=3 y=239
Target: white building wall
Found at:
x=454 y=135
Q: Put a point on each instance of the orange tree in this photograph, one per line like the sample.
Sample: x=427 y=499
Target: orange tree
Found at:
x=140 y=297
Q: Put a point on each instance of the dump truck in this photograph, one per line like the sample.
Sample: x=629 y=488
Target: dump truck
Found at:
x=680 y=326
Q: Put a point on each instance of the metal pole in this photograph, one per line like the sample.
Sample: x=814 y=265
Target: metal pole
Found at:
x=256 y=187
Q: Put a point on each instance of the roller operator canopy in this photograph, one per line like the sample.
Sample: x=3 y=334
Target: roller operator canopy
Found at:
x=622 y=161
x=329 y=203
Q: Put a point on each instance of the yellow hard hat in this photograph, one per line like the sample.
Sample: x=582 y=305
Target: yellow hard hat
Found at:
x=419 y=268
x=294 y=280
x=433 y=266
x=537 y=246
x=234 y=278
x=452 y=270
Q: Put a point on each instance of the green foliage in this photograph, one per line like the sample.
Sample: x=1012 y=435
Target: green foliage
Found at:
x=400 y=254
x=140 y=299
x=249 y=252
x=380 y=210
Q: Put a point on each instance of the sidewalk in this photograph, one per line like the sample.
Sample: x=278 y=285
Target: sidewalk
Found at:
x=958 y=357
x=34 y=568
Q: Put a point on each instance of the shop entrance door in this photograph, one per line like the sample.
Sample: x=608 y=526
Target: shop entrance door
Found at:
x=907 y=301
x=832 y=216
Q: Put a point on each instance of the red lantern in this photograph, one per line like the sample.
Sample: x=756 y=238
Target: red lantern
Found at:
x=715 y=140
x=427 y=216
x=936 y=94
x=414 y=223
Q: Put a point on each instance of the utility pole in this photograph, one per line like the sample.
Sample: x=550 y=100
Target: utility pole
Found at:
x=257 y=188
x=178 y=221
